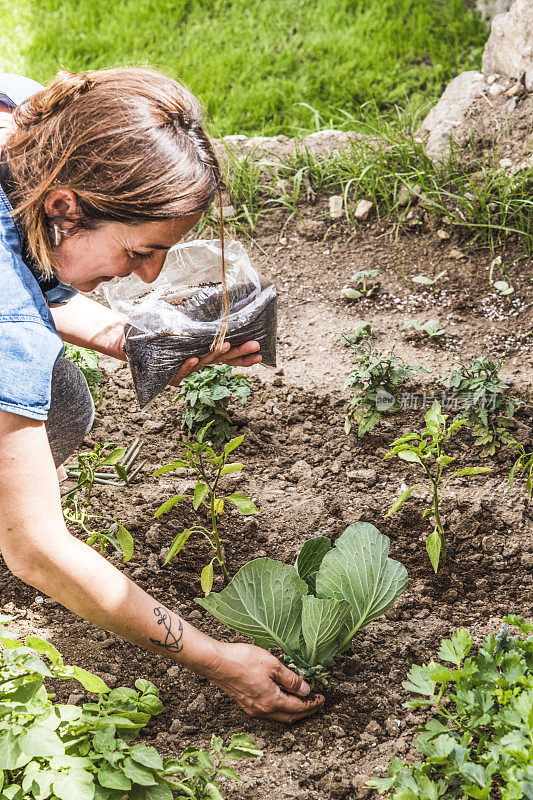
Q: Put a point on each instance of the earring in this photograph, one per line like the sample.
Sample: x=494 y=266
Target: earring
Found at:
x=57 y=235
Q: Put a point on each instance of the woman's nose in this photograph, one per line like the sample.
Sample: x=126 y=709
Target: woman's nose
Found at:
x=149 y=272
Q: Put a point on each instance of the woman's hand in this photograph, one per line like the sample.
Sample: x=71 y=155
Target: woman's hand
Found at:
x=243 y=356
x=262 y=685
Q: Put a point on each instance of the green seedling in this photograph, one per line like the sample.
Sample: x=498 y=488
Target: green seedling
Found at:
x=524 y=465
x=430 y=328
x=486 y=408
x=426 y=281
x=362 y=330
x=313 y=609
x=502 y=287
x=476 y=742
x=98 y=467
x=209 y=468
x=88 y=751
x=376 y=378
x=426 y=449
x=206 y=395
x=363 y=284
x=88 y=362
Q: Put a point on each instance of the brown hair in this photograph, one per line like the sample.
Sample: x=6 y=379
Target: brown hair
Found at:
x=128 y=142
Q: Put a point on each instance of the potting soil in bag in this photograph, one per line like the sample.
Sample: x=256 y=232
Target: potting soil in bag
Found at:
x=180 y=314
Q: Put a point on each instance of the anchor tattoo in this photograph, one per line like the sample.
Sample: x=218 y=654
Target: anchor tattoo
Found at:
x=170 y=642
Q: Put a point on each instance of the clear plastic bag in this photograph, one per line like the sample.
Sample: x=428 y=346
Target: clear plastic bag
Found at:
x=178 y=315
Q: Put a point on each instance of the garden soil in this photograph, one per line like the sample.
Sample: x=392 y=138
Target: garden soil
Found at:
x=308 y=477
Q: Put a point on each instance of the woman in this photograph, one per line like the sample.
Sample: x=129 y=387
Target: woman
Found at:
x=100 y=175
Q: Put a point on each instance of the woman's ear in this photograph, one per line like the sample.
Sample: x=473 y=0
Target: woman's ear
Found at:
x=61 y=205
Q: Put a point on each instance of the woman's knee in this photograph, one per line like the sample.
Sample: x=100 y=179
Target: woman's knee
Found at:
x=71 y=414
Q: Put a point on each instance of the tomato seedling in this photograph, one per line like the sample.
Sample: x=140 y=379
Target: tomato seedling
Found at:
x=426 y=449
x=208 y=468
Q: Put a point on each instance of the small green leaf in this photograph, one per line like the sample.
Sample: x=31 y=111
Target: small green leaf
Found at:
x=170 y=503
x=470 y=471
x=125 y=540
x=47 y=649
x=113 y=457
x=231 y=468
x=200 y=491
x=170 y=467
x=206 y=578
x=245 y=506
x=229 y=772
x=410 y=455
x=401 y=500
x=245 y=745
x=233 y=444
x=178 y=542
x=433 y=547
x=89 y=681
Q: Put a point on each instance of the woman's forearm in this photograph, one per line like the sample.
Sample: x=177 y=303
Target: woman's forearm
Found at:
x=85 y=322
x=85 y=582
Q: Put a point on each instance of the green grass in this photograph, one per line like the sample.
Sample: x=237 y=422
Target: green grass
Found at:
x=256 y=63
x=473 y=197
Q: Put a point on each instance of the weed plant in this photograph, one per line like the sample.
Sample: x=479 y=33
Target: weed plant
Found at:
x=93 y=467
x=477 y=741
x=88 y=752
x=208 y=468
x=486 y=408
x=206 y=395
x=482 y=203
x=426 y=449
x=376 y=378
x=431 y=329
x=362 y=284
x=523 y=465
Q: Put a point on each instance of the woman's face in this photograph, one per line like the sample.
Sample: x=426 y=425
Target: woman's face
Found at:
x=86 y=258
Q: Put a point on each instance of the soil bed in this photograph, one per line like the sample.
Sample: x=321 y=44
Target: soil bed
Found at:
x=308 y=477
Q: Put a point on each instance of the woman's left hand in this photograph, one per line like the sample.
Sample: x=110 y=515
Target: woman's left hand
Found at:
x=243 y=356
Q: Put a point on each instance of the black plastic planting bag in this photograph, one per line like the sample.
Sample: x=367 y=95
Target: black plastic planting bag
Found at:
x=179 y=315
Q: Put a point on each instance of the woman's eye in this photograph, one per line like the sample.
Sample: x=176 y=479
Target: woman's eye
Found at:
x=143 y=256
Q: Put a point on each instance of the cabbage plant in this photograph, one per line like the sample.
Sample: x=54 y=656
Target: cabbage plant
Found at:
x=313 y=609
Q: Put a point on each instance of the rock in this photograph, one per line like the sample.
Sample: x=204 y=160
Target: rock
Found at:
x=526 y=559
x=176 y=726
x=228 y=212
x=313 y=229
x=337 y=731
x=301 y=469
x=75 y=698
x=366 y=476
x=319 y=143
x=174 y=671
x=489 y=8
x=403 y=196
x=363 y=209
x=443 y=234
x=198 y=705
x=509 y=48
x=450 y=113
x=153 y=426
x=457 y=254
x=195 y=615
x=153 y=562
x=335 y=206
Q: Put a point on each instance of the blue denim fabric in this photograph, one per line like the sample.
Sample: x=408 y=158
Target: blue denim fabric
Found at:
x=29 y=342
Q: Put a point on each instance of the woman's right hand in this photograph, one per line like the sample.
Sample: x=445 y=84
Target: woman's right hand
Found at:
x=260 y=684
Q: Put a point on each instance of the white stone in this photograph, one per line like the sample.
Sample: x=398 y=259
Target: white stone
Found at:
x=450 y=113
x=228 y=211
x=509 y=49
x=363 y=209
x=335 y=206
